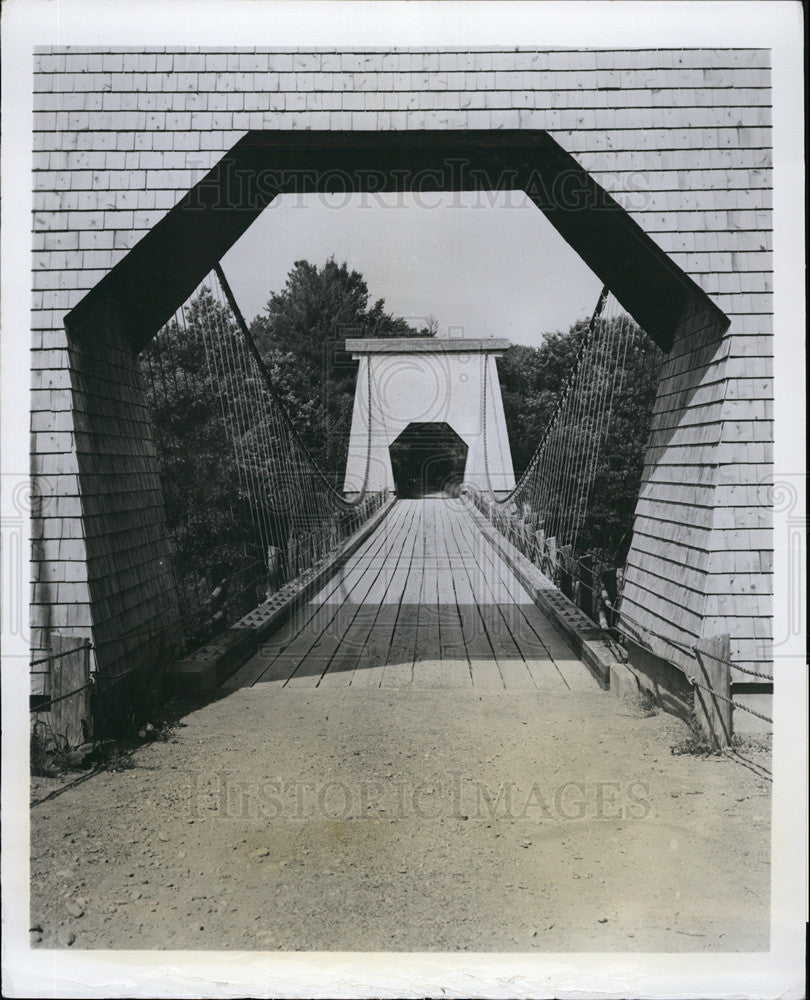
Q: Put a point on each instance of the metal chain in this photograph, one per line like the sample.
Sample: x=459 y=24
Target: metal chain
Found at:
x=58 y=656
x=53 y=701
x=736 y=666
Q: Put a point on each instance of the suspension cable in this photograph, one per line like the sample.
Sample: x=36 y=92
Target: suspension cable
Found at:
x=338 y=498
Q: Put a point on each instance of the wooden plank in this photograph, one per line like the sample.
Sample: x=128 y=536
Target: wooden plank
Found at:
x=348 y=648
x=506 y=653
x=398 y=669
x=363 y=667
x=70 y=717
x=480 y=654
x=441 y=673
x=549 y=643
x=713 y=707
x=427 y=665
x=532 y=632
x=342 y=640
x=370 y=666
x=309 y=618
x=429 y=598
x=363 y=554
x=451 y=635
x=357 y=568
x=316 y=618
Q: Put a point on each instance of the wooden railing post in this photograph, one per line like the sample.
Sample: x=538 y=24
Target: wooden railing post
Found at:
x=551 y=544
x=713 y=708
x=70 y=716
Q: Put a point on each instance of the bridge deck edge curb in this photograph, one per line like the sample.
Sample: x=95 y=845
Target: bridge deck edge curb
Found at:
x=200 y=673
x=590 y=642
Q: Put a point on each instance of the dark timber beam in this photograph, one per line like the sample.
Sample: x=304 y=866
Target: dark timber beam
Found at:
x=153 y=280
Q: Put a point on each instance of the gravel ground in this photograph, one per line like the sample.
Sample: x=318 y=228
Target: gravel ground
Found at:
x=408 y=820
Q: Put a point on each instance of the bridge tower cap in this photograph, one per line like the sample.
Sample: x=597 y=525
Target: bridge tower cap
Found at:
x=425 y=345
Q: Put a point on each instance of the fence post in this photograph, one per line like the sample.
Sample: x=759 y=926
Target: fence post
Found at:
x=588 y=600
x=70 y=718
x=609 y=581
x=551 y=550
x=713 y=708
x=566 y=580
x=539 y=547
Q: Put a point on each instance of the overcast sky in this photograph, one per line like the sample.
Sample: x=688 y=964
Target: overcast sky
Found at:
x=484 y=265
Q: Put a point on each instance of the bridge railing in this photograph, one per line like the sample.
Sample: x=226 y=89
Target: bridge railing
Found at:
x=247 y=507
x=592 y=585
x=699 y=687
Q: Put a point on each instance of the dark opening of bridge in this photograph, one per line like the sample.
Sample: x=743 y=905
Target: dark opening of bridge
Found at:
x=428 y=459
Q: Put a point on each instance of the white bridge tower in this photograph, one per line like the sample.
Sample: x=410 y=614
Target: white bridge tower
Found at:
x=428 y=391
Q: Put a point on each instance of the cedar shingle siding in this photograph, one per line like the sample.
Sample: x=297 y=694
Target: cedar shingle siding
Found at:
x=681 y=138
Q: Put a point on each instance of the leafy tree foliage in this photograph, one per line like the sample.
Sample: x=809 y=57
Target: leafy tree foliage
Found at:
x=532 y=380
x=301 y=336
x=207 y=509
x=615 y=489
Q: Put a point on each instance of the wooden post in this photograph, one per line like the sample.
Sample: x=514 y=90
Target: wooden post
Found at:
x=552 y=557
x=539 y=547
x=273 y=570
x=587 y=588
x=609 y=580
x=70 y=717
x=713 y=708
x=522 y=533
x=526 y=531
x=566 y=582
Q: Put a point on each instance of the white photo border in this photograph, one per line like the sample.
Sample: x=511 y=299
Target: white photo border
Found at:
x=341 y=23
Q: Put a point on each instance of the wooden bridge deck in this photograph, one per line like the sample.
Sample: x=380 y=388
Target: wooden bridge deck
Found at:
x=426 y=601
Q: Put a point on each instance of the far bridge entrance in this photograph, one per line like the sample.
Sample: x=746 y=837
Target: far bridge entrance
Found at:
x=428 y=416
x=428 y=459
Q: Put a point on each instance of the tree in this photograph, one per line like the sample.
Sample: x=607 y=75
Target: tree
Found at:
x=614 y=493
x=207 y=510
x=532 y=380
x=431 y=327
x=301 y=337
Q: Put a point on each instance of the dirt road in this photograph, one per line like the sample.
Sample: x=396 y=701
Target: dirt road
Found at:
x=412 y=820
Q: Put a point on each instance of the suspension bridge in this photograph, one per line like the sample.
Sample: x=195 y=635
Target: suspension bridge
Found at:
x=157 y=372
x=425 y=599
x=393 y=580
x=382 y=664
x=422 y=615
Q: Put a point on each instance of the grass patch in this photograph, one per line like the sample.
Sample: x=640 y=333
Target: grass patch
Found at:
x=51 y=755
x=648 y=706
x=697 y=744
